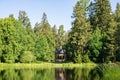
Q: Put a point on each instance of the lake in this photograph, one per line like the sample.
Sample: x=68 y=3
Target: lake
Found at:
x=100 y=72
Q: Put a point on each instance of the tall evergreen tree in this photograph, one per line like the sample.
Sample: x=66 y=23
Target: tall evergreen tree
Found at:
x=60 y=36
x=45 y=29
x=101 y=18
x=101 y=10
x=54 y=34
x=95 y=45
x=23 y=18
x=84 y=6
x=117 y=13
x=79 y=34
x=37 y=29
x=117 y=34
x=42 y=48
x=92 y=14
x=45 y=26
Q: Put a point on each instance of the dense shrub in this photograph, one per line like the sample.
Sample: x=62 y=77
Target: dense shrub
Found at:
x=27 y=57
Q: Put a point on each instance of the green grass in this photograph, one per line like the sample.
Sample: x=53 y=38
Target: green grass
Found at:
x=112 y=72
x=107 y=71
x=44 y=65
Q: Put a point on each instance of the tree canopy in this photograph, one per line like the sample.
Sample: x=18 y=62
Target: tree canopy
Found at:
x=93 y=37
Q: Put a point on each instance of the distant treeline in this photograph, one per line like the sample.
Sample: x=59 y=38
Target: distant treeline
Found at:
x=94 y=36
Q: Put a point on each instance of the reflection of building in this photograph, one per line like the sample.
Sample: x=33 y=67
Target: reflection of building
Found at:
x=60 y=55
x=60 y=74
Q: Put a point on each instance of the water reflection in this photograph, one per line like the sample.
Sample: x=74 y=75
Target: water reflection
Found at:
x=77 y=74
x=27 y=74
x=60 y=74
x=98 y=73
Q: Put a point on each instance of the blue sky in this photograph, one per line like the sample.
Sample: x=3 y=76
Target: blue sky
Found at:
x=58 y=12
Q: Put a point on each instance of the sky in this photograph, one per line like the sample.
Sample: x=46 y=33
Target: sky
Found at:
x=58 y=12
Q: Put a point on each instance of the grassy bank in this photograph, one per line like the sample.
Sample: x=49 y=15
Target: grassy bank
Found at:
x=44 y=65
x=110 y=71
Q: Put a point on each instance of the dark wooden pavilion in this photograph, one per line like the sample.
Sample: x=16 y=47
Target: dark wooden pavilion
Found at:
x=60 y=55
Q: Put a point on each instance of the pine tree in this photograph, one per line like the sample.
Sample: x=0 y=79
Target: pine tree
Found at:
x=79 y=34
x=92 y=14
x=60 y=36
x=117 y=13
x=117 y=33
x=41 y=48
x=101 y=18
x=44 y=28
x=95 y=45
x=103 y=10
x=23 y=18
x=54 y=34
x=25 y=21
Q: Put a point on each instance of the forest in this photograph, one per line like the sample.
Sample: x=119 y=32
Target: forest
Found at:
x=93 y=37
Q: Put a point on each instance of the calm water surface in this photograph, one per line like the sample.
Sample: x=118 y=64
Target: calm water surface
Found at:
x=98 y=73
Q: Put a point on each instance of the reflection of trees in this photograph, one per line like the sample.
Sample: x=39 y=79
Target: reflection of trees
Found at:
x=9 y=74
x=45 y=74
x=69 y=73
x=101 y=72
x=27 y=74
x=96 y=73
x=78 y=74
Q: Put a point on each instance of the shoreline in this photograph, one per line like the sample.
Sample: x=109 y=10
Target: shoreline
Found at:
x=45 y=65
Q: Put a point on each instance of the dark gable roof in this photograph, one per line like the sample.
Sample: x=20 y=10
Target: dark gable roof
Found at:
x=59 y=51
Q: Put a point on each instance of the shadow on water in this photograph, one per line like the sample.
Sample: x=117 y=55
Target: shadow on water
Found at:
x=101 y=72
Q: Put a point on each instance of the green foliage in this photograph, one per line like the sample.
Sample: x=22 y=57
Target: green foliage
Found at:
x=23 y=18
x=85 y=59
x=101 y=17
x=79 y=35
x=95 y=45
x=54 y=36
x=30 y=36
x=10 y=40
x=60 y=36
x=77 y=58
x=42 y=48
x=19 y=43
x=117 y=33
x=1 y=34
x=117 y=13
x=13 y=39
x=110 y=40
x=27 y=57
x=100 y=14
x=7 y=39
